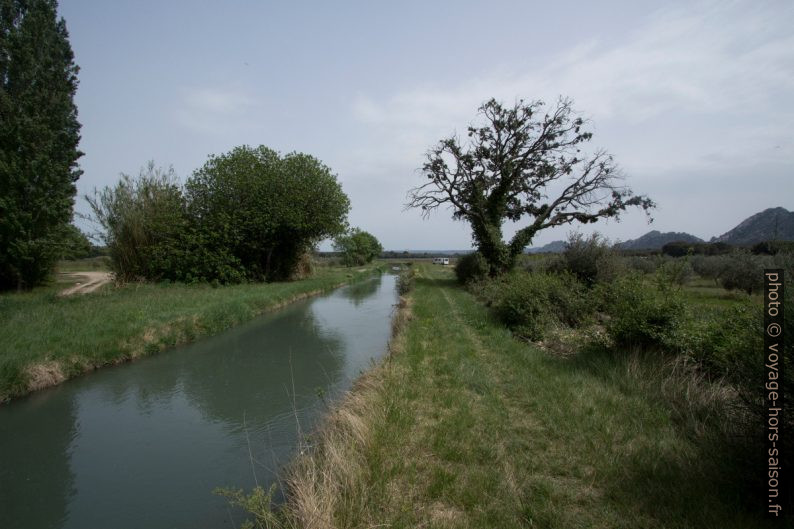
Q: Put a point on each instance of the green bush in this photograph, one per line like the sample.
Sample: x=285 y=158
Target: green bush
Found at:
x=674 y=272
x=743 y=271
x=248 y=215
x=709 y=266
x=471 y=267
x=721 y=342
x=730 y=345
x=146 y=229
x=405 y=281
x=531 y=303
x=642 y=264
x=591 y=259
x=643 y=315
x=263 y=209
x=357 y=247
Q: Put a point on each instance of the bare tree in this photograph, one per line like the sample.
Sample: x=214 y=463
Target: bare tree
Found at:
x=505 y=170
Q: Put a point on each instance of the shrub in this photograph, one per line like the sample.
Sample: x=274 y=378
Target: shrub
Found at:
x=709 y=266
x=784 y=260
x=530 y=303
x=248 y=215
x=642 y=264
x=591 y=259
x=405 y=281
x=727 y=338
x=304 y=268
x=675 y=272
x=743 y=271
x=145 y=226
x=731 y=345
x=642 y=315
x=471 y=267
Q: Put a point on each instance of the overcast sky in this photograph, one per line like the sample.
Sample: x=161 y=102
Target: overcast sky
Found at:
x=694 y=100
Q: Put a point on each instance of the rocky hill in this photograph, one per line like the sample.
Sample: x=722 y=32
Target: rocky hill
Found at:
x=654 y=240
x=770 y=224
x=552 y=247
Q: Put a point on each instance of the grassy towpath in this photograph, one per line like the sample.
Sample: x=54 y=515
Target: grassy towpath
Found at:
x=46 y=338
x=466 y=427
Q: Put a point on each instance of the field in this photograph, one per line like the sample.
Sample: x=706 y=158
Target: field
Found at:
x=467 y=426
x=46 y=338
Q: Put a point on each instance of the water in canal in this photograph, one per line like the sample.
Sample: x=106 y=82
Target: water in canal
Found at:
x=144 y=444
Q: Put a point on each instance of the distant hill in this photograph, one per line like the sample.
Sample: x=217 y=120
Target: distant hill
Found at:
x=770 y=224
x=552 y=247
x=654 y=240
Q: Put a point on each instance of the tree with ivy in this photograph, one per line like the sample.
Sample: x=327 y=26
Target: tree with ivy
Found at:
x=39 y=134
x=526 y=166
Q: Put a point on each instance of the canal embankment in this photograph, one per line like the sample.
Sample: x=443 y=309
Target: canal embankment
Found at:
x=46 y=339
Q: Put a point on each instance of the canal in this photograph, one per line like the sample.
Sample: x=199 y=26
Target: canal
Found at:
x=144 y=444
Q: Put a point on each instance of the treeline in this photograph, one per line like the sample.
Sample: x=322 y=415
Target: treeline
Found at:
x=247 y=215
x=682 y=248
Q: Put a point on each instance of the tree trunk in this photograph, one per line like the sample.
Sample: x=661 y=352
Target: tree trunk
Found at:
x=489 y=243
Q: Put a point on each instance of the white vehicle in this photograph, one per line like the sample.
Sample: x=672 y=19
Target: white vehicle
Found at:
x=441 y=260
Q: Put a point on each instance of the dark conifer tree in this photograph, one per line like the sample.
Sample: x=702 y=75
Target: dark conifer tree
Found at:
x=39 y=134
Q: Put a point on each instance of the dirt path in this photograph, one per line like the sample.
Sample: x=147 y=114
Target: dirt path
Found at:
x=87 y=282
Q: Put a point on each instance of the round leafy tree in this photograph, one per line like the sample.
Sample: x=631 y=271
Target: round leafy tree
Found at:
x=265 y=210
x=357 y=247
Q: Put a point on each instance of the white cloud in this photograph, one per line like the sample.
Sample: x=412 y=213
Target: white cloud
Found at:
x=216 y=110
x=687 y=64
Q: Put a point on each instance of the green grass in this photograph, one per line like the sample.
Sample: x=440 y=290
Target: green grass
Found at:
x=465 y=426
x=45 y=338
x=705 y=294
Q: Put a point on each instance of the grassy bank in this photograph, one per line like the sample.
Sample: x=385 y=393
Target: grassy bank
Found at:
x=45 y=338
x=465 y=426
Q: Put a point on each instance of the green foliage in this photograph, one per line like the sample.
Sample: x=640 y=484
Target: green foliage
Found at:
x=38 y=140
x=709 y=266
x=75 y=244
x=357 y=247
x=591 y=259
x=674 y=273
x=730 y=344
x=405 y=281
x=724 y=341
x=678 y=248
x=505 y=172
x=471 y=267
x=264 y=211
x=773 y=247
x=146 y=229
x=248 y=215
x=643 y=315
x=258 y=503
x=641 y=264
x=682 y=248
x=531 y=303
x=743 y=271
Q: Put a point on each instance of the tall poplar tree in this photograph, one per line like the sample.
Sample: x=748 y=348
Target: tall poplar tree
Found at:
x=39 y=134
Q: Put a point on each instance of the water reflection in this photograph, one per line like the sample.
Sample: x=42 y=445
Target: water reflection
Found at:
x=36 y=480
x=144 y=444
